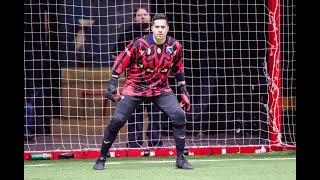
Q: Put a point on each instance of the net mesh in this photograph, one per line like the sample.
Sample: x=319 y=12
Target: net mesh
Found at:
x=68 y=46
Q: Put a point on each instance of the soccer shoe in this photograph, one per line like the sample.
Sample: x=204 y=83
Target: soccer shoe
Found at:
x=182 y=163
x=99 y=165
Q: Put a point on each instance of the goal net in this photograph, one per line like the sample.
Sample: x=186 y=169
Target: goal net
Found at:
x=239 y=59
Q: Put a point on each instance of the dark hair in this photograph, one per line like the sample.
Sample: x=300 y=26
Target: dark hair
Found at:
x=159 y=16
x=145 y=7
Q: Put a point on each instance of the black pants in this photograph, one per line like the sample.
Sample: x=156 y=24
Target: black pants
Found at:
x=135 y=126
x=167 y=102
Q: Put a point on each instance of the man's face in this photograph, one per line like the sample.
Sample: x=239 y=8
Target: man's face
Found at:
x=160 y=29
x=142 y=16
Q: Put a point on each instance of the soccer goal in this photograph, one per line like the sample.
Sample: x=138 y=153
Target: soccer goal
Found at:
x=240 y=66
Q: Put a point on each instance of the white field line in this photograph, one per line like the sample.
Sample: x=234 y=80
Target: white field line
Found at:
x=37 y=165
x=202 y=160
x=172 y=161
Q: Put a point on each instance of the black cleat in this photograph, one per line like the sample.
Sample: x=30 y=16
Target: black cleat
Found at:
x=99 y=165
x=182 y=163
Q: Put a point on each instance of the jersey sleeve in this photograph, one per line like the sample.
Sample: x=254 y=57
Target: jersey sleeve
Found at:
x=124 y=58
x=177 y=68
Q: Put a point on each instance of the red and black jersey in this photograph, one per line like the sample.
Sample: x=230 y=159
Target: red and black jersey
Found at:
x=149 y=66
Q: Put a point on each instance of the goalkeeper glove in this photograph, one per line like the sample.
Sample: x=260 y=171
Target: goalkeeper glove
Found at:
x=185 y=97
x=112 y=92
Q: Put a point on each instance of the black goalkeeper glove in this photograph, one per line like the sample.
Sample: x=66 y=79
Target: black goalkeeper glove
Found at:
x=185 y=97
x=112 y=92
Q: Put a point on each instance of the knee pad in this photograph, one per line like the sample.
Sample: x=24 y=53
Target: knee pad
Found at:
x=117 y=122
x=179 y=117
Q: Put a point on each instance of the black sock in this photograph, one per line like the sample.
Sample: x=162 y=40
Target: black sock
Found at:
x=179 y=134
x=107 y=142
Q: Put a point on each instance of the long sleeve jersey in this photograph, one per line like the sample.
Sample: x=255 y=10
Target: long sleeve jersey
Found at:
x=149 y=65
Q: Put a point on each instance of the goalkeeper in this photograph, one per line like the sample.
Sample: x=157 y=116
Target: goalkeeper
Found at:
x=150 y=59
